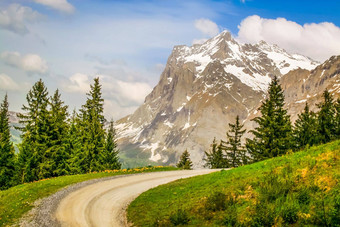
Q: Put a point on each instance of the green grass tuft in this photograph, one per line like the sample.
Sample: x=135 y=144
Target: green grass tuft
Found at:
x=299 y=189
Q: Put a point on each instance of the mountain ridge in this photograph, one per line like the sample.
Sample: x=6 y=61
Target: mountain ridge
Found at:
x=218 y=79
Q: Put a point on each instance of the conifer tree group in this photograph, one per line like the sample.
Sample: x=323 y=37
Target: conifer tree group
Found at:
x=228 y=153
x=54 y=143
x=275 y=134
x=184 y=161
x=7 y=156
x=215 y=158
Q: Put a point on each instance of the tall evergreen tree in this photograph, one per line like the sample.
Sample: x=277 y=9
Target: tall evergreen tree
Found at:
x=110 y=154
x=184 y=161
x=214 y=158
x=58 y=136
x=74 y=145
x=272 y=136
x=235 y=152
x=305 y=129
x=92 y=128
x=337 y=118
x=326 y=121
x=33 y=159
x=7 y=156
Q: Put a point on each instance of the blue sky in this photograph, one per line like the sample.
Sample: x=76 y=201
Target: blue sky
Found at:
x=69 y=42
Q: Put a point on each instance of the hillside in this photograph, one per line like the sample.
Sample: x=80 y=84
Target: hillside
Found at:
x=298 y=189
x=218 y=79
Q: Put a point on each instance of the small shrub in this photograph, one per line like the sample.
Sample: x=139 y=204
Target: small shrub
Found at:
x=216 y=201
x=290 y=214
x=231 y=218
x=264 y=215
x=303 y=197
x=179 y=218
x=335 y=211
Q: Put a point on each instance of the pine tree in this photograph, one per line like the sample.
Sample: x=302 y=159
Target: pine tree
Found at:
x=272 y=136
x=58 y=136
x=110 y=154
x=215 y=158
x=92 y=129
x=74 y=145
x=33 y=157
x=337 y=118
x=185 y=162
x=326 y=115
x=7 y=156
x=305 y=129
x=235 y=152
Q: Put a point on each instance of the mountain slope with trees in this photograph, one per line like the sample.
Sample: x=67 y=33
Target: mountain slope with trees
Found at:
x=296 y=189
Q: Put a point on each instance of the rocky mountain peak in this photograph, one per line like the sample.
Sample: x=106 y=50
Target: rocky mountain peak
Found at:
x=218 y=79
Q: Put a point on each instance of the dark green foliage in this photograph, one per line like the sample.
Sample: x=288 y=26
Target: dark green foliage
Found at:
x=179 y=218
x=305 y=129
x=264 y=215
x=34 y=159
x=216 y=202
x=74 y=144
x=326 y=121
x=7 y=157
x=185 y=162
x=235 y=153
x=303 y=197
x=110 y=159
x=215 y=158
x=58 y=136
x=230 y=219
x=337 y=118
x=91 y=126
x=273 y=135
x=290 y=213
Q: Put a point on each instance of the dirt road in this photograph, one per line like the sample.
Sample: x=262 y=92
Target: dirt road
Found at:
x=104 y=203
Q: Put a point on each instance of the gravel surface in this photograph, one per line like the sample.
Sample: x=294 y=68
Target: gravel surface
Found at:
x=42 y=215
x=99 y=202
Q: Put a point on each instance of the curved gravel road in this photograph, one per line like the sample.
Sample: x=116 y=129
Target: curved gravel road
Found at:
x=104 y=203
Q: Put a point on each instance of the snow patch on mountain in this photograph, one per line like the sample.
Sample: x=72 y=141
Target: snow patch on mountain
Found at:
x=203 y=55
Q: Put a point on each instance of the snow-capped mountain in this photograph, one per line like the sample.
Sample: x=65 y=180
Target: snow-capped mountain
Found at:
x=202 y=89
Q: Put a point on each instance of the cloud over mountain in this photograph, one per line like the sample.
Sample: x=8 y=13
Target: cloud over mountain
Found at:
x=318 y=41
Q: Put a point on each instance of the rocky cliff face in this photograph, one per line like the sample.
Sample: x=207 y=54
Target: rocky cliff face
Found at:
x=303 y=86
x=204 y=87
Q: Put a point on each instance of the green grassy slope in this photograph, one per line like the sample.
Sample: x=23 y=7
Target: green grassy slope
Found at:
x=18 y=200
x=296 y=189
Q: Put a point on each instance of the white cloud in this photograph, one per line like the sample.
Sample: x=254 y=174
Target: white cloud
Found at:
x=8 y=84
x=78 y=83
x=60 y=5
x=15 y=17
x=207 y=27
x=30 y=63
x=120 y=97
x=318 y=41
x=134 y=91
